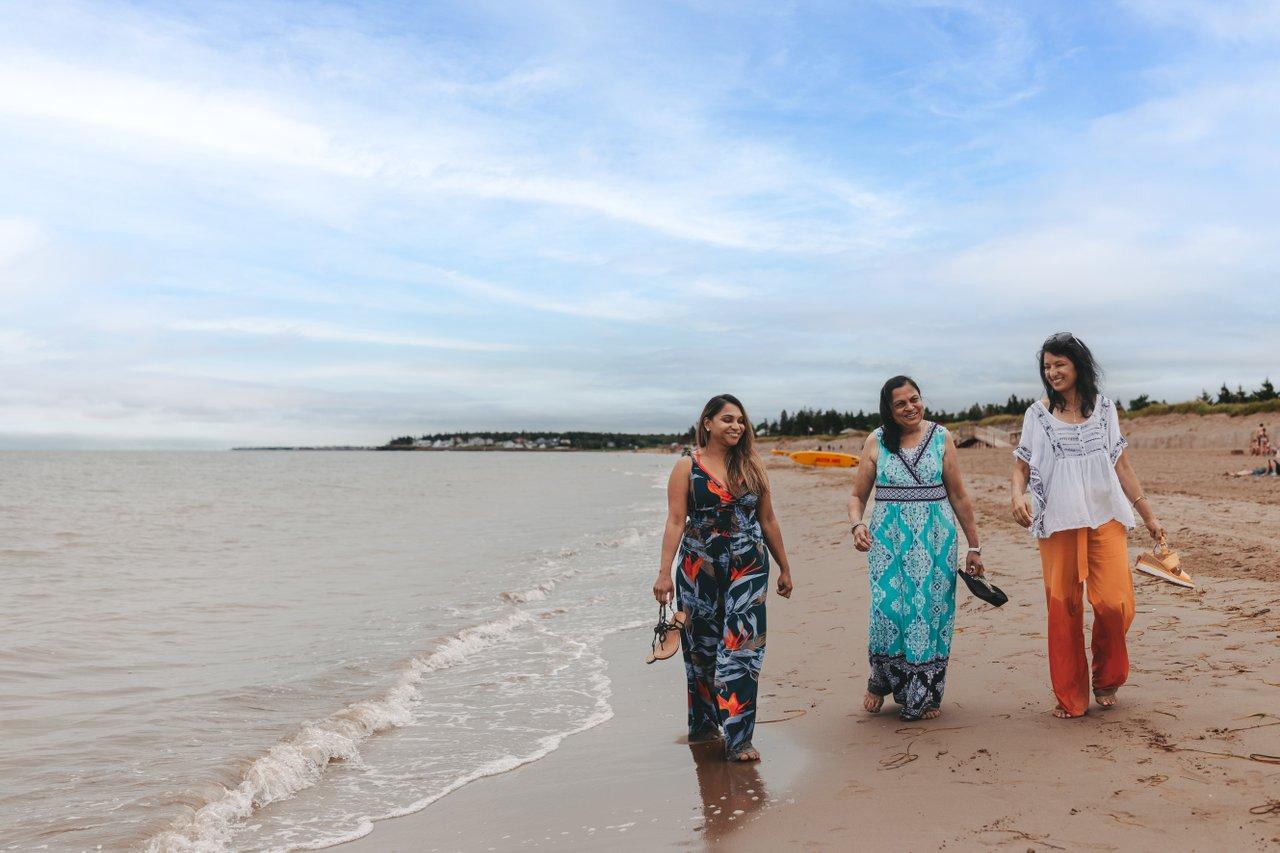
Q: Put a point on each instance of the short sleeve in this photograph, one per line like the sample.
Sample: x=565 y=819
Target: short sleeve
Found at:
x=1023 y=450
x=1115 y=439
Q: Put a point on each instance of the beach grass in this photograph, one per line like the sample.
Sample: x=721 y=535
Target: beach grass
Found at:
x=1199 y=407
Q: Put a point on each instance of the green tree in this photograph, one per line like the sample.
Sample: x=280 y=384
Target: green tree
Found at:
x=1139 y=403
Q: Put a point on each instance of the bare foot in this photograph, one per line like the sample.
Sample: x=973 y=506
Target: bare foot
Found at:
x=872 y=703
x=1107 y=701
x=1061 y=713
x=747 y=753
x=931 y=714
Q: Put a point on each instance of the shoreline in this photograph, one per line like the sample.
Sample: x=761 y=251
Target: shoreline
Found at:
x=633 y=782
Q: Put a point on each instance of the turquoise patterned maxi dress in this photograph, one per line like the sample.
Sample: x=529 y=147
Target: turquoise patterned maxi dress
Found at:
x=913 y=576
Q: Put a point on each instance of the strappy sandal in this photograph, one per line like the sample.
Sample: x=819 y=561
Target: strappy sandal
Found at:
x=666 y=634
x=1164 y=563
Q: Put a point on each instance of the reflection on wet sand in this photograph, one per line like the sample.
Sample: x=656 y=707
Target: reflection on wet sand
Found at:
x=731 y=791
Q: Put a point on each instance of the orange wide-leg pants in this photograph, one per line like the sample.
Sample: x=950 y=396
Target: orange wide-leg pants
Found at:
x=1071 y=559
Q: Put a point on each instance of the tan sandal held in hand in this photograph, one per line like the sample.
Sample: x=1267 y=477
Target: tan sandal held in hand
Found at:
x=1164 y=564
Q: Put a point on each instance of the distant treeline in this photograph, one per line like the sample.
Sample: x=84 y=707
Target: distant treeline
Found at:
x=1226 y=397
x=577 y=440
x=806 y=421
x=831 y=422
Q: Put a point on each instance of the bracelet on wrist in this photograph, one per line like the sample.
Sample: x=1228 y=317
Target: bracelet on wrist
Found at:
x=857 y=524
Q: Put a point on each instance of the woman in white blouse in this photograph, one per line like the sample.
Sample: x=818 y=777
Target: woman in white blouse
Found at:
x=1083 y=494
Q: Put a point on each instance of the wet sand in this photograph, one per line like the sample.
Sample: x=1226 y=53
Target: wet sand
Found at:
x=633 y=783
x=1179 y=763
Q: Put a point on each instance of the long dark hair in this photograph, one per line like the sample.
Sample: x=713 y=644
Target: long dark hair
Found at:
x=746 y=471
x=1088 y=373
x=890 y=432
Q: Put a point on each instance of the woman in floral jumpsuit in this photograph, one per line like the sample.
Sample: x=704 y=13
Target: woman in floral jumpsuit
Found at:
x=721 y=522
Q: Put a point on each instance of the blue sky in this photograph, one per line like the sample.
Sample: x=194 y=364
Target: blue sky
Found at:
x=229 y=223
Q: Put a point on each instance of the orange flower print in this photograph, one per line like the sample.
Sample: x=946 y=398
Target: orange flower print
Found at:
x=732 y=705
x=742 y=571
x=719 y=491
x=733 y=642
x=691 y=567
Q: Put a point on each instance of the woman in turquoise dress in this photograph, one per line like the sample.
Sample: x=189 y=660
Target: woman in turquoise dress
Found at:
x=912 y=551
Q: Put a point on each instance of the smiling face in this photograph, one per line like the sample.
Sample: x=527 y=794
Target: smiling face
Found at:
x=726 y=426
x=907 y=407
x=1059 y=372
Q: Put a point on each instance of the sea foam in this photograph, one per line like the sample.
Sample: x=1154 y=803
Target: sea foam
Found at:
x=298 y=761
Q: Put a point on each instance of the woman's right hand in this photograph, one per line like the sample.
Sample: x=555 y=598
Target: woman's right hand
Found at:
x=663 y=589
x=1022 y=510
x=862 y=538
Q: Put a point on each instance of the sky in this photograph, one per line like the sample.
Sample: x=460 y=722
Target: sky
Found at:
x=230 y=223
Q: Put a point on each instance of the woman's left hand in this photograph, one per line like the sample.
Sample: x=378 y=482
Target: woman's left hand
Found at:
x=784 y=584
x=1156 y=529
x=973 y=564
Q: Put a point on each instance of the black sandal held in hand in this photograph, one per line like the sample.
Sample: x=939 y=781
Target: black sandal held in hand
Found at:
x=984 y=589
x=666 y=635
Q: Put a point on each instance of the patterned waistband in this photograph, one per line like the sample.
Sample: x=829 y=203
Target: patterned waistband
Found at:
x=911 y=494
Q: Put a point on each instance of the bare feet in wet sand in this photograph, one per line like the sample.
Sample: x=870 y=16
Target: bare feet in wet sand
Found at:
x=1106 y=700
x=872 y=703
x=748 y=753
x=1061 y=713
x=931 y=714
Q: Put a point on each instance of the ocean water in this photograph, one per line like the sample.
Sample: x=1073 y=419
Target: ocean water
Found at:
x=267 y=651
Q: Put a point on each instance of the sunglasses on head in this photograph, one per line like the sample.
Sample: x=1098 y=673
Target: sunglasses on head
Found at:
x=1062 y=338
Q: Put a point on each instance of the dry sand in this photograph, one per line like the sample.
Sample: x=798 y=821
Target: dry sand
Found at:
x=1169 y=768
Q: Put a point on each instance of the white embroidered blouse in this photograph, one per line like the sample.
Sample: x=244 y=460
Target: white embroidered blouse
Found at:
x=1073 y=477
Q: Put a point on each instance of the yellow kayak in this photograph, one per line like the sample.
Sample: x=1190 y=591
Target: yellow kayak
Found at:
x=824 y=459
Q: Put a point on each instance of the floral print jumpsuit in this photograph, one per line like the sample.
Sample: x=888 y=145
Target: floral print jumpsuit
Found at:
x=721 y=582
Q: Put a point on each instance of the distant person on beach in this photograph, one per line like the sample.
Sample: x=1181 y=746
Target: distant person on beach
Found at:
x=919 y=494
x=1261 y=442
x=1083 y=494
x=1272 y=468
x=720 y=518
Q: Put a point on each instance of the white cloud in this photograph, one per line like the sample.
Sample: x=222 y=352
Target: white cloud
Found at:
x=21 y=347
x=1121 y=261
x=605 y=305
x=209 y=119
x=19 y=237
x=313 y=331
x=683 y=182
x=1231 y=20
x=709 y=289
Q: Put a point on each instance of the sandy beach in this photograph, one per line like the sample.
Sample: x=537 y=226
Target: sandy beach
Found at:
x=1181 y=762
